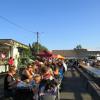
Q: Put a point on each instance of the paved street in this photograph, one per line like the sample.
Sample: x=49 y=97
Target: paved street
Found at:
x=73 y=88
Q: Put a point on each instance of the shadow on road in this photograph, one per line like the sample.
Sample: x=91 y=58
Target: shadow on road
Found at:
x=73 y=88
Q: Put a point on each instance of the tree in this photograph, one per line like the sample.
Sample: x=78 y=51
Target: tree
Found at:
x=26 y=52
x=37 y=47
x=78 y=47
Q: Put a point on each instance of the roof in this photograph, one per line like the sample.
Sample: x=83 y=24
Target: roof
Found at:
x=80 y=53
x=71 y=53
x=11 y=42
x=67 y=53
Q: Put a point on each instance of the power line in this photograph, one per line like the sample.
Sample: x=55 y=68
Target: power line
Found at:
x=11 y=22
x=21 y=27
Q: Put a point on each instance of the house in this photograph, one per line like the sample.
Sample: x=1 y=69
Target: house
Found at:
x=11 y=48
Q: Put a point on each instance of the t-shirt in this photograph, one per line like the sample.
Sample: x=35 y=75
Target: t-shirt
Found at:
x=11 y=61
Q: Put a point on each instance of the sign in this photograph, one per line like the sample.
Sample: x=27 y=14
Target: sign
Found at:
x=3 y=56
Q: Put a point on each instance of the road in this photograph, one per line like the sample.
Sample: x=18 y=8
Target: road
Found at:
x=74 y=88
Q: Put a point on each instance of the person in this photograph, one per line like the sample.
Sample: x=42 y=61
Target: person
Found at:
x=61 y=69
x=27 y=73
x=56 y=72
x=49 y=88
x=10 y=82
x=37 y=80
x=47 y=73
x=65 y=66
x=11 y=61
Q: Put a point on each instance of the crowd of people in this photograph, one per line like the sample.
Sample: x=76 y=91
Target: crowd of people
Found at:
x=41 y=77
x=91 y=62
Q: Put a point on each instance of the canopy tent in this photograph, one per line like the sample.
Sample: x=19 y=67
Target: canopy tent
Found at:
x=54 y=56
x=45 y=54
x=60 y=57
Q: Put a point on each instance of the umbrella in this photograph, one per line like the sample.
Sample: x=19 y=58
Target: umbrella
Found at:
x=60 y=57
x=54 y=56
x=45 y=54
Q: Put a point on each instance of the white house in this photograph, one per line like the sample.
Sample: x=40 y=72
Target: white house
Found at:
x=10 y=48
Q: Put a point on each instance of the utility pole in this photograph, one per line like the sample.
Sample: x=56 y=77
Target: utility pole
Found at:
x=37 y=42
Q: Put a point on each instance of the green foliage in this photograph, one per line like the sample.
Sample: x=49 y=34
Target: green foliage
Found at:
x=35 y=47
x=78 y=47
x=26 y=52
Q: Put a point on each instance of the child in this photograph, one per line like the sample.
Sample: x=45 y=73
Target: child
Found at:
x=49 y=88
x=37 y=80
x=10 y=83
x=46 y=74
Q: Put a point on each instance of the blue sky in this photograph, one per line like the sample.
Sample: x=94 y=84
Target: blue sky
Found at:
x=62 y=24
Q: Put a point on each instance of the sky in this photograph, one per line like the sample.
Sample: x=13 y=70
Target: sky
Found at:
x=62 y=24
